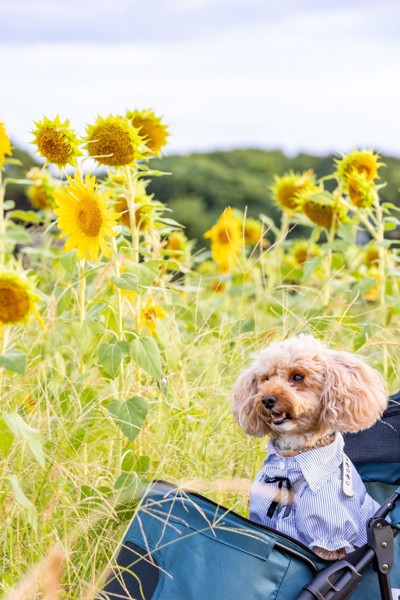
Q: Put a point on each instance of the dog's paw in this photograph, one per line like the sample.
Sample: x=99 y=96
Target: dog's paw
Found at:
x=330 y=554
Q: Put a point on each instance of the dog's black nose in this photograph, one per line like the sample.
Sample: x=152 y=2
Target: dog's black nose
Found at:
x=269 y=401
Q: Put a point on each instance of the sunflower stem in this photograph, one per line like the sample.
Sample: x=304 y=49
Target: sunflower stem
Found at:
x=116 y=265
x=329 y=258
x=382 y=272
x=275 y=276
x=131 y=186
x=3 y=345
x=82 y=290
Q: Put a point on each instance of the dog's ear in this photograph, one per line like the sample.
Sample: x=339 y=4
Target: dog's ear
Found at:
x=354 y=394
x=243 y=403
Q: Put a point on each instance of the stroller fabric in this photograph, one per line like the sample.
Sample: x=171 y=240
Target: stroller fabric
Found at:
x=182 y=546
x=375 y=453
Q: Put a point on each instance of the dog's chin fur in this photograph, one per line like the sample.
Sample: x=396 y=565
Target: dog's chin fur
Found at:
x=337 y=391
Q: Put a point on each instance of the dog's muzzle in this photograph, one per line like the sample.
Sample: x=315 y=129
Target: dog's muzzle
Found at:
x=278 y=418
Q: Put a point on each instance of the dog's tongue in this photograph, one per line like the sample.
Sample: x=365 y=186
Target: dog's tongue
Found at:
x=277 y=417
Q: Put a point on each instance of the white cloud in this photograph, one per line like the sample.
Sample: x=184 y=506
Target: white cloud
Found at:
x=305 y=82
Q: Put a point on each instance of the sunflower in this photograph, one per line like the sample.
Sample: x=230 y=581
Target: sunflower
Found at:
x=177 y=243
x=372 y=295
x=302 y=251
x=359 y=190
x=252 y=231
x=56 y=141
x=83 y=215
x=226 y=240
x=5 y=145
x=218 y=287
x=151 y=129
x=364 y=162
x=41 y=192
x=17 y=299
x=371 y=255
x=149 y=314
x=114 y=141
x=321 y=208
x=286 y=188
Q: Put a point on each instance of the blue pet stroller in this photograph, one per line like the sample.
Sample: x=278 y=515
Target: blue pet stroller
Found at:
x=182 y=546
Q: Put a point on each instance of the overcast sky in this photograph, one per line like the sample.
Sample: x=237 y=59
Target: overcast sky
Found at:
x=299 y=75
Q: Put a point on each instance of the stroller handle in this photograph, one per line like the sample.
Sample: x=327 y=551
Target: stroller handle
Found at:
x=337 y=581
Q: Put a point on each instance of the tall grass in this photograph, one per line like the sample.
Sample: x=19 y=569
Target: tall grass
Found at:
x=72 y=465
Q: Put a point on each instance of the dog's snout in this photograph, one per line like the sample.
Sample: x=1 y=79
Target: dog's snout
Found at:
x=269 y=401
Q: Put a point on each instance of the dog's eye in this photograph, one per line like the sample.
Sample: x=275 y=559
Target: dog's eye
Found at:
x=264 y=377
x=297 y=377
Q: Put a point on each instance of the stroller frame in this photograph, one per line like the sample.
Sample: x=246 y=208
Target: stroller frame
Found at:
x=339 y=580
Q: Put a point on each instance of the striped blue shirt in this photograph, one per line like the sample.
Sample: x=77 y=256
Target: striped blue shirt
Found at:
x=321 y=515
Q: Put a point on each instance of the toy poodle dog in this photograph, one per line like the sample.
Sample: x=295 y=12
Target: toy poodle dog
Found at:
x=304 y=396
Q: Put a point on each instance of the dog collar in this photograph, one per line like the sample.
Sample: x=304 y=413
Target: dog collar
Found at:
x=325 y=440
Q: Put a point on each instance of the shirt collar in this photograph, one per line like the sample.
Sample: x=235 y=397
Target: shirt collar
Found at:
x=318 y=464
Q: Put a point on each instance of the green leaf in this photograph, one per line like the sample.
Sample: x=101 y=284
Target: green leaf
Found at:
x=64 y=300
x=23 y=501
x=23 y=431
x=146 y=354
x=124 y=347
x=129 y=415
x=132 y=462
x=18 y=235
x=68 y=261
x=130 y=484
x=6 y=438
x=75 y=439
x=15 y=162
x=27 y=216
x=96 y=309
x=127 y=281
x=14 y=360
x=310 y=266
x=146 y=272
x=110 y=357
x=364 y=285
x=390 y=226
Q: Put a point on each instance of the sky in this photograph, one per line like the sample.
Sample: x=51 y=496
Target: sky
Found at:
x=296 y=75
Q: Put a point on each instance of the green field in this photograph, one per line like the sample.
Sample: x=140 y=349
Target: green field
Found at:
x=118 y=355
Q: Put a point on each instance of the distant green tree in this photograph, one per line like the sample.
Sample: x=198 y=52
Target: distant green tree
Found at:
x=241 y=179
x=201 y=185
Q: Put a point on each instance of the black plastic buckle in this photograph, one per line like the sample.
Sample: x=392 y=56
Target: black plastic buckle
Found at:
x=338 y=581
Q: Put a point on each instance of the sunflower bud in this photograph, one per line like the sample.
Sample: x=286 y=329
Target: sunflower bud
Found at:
x=151 y=129
x=287 y=188
x=320 y=207
x=363 y=162
x=114 y=141
x=359 y=190
x=56 y=141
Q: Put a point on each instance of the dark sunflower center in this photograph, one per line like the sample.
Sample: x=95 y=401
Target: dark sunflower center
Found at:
x=14 y=302
x=54 y=146
x=223 y=236
x=89 y=217
x=113 y=144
